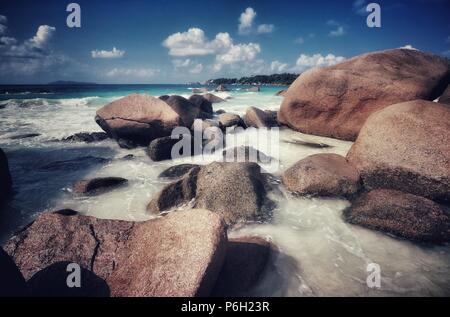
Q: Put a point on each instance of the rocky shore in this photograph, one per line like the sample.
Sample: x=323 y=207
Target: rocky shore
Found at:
x=396 y=177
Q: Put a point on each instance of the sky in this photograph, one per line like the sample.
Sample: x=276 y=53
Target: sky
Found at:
x=172 y=41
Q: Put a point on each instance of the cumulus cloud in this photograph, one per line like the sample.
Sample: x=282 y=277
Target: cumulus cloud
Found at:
x=43 y=35
x=278 y=67
x=114 y=53
x=316 y=60
x=132 y=72
x=246 y=24
x=409 y=47
x=246 y=21
x=299 y=40
x=359 y=6
x=192 y=66
x=265 y=28
x=237 y=53
x=194 y=43
x=3 y=21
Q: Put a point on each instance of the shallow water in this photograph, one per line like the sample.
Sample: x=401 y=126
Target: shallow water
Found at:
x=319 y=253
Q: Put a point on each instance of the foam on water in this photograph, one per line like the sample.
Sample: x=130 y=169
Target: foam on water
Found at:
x=320 y=254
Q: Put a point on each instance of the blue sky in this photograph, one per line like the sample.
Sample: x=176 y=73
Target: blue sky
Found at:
x=171 y=41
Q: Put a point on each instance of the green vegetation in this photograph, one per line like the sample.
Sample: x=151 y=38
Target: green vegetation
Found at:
x=275 y=79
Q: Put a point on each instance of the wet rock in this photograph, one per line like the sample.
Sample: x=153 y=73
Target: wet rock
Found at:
x=161 y=149
x=227 y=120
x=202 y=125
x=336 y=101
x=281 y=93
x=307 y=144
x=406 y=147
x=257 y=118
x=204 y=104
x=221 y=88
x=139 y=118
x=12 y=282
x=178 y=255
x=245 y=263
x=164 y=97
x=401 y=214
x=86 y=137
x=220 y=111
x=52 y=282
x=245 y=154
x=323 y=175
x=237 y=191
x=213 y=98
x=177 y=171
x=75 y=164
x=5 y=178
x=186 y=110
x=127 y=144
x=98 y=185
x=128 y=157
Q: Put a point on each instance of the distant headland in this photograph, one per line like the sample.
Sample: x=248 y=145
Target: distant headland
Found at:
x=73 y=83
x=284 y=79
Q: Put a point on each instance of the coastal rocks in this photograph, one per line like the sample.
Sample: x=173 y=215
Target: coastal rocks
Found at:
x=400 y=214
x=204 y=104
x=99 y=185
x=228 y=120
x=235 y=190
x=203 y=125
x=139 y=118
x=185 y=109
x=177 y=171
x=213 y=98
x=5 y=178
x=178 y=255
x=335 y=101
x=221 y=88
x=323 y=175
x=406 y=147
x=245 y=262
x=445 y=98
x=86 y=137
x=161 y=149
x=25 y=136
x=52 y=282
x=257 y=118
x=12 y=282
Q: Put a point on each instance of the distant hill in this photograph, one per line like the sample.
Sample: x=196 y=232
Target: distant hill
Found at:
x=275 y=79
x=73 y=83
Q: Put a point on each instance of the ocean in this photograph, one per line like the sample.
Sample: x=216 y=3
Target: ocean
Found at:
x=319 y=254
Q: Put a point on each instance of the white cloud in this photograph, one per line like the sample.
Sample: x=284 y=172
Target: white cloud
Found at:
x=265 y=28
x=194 y=43
x=132 y=72
x=6 y=40
x=195 y=68
x=43 y=35
x=338 y=30
x=2 y=29
x=409 y=47
x=278 y=67
x=3 y=19
x=317 y=60
x=237 y=53
x=114 y=53
x=246 y=21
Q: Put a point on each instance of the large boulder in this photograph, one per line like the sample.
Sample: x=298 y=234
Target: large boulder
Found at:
x=12 y=282
x=228 y=120
x=140 y=118
x=86 y=137
x=204 y=104
x=404 y=215
x=335 y=101
x=177 y=255
x=257 y=118
x=177 y=171
x=97 y=185
x=235 y=190
x=186 y=109
x=246 y=260
x=5 y=177
x=160 y=149
x=445 y=98
x=406 y=147
x=323 y=175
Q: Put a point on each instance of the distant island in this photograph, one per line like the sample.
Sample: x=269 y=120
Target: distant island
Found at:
x=67 y=83
x=284 y=79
